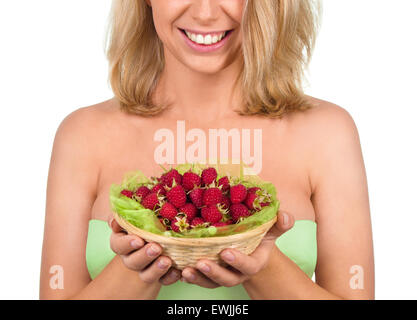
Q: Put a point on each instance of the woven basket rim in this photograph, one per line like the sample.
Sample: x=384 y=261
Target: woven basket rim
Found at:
x=193 y=242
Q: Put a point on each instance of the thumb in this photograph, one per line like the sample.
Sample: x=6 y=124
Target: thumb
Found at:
x=285 y=222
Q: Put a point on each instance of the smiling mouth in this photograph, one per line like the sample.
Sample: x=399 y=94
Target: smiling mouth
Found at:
x=207 y=38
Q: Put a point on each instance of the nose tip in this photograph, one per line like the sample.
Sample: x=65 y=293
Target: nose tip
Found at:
x=205 y=11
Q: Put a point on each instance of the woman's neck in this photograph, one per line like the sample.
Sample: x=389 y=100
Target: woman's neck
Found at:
x=195 y=95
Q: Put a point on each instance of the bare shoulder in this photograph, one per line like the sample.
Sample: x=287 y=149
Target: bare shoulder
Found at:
x=325 y=128
x=90 y=118
x=81 y=133
x=324 y=119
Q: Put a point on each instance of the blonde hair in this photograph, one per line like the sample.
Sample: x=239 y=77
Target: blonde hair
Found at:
x=278 y=40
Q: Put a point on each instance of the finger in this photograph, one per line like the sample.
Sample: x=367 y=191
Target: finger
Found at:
x=156 y=270
x=218 y=274
x=247 y=265
x=172 y=276
x=284 y=223
x=139 y=259
x=191 y=275
x=123 y=244
x=115 y=226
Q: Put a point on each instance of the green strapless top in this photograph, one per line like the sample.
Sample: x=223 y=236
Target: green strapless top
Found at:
x=299 y=244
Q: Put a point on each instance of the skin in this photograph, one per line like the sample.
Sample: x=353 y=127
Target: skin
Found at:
x=313 y=157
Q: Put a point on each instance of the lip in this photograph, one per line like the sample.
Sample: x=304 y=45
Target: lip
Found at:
x=202 y=47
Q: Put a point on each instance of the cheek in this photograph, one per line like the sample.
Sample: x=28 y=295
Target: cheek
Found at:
x=234 y=9
x=164 y=17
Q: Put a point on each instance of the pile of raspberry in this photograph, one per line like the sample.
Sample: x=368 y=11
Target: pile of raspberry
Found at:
x=183 y=202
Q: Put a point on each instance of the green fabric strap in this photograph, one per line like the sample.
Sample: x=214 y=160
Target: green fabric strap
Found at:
x=299 y=244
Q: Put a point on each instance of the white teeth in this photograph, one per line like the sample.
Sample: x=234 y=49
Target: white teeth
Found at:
x=207 y=39
x=199 y=39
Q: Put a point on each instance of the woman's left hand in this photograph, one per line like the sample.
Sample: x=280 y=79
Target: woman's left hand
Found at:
x=211 y=275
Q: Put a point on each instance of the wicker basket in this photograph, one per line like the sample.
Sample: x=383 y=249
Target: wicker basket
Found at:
x=187 y=251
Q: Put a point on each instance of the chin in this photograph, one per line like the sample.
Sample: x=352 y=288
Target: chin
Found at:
x=207 y=67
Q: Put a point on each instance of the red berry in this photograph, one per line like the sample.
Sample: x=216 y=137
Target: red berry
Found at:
x=211 y=214
x=127 y=193
x=196 y=197
x=225 y=203
x=151 y=201
x=255 y=199
x=142 y=192
x=180 y=224
x=197 y=222
x=159 y=188
x=190 y=180
x=177 y=196
x=208 y=176
x=212 y=196
x=190 y=211
x=175 y=228
x=224 y=183
x=250 y=200
x=168 y=178
x=253 y=189
x=168 y=211
x=239 y=210
x=238 y=193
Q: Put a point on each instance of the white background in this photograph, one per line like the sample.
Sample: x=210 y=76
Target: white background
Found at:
x=52 y=62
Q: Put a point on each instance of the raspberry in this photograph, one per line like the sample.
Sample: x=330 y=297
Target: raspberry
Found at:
x=197 y=222
x=168 y=211
x=151 y=201
x=180 y=224
x=253 y=189
x=168 y=178
x=159 y=188
x=225 y=203
x=224 y=183
x=175 y=228
x=239 y=210
x=189 y=210
x=127 y=193
x=208 y=176
x=190 y=180
x=256 y=199
x=238 y=193
x=211 y=214
x=177 y=196
x=196 y=197
x=212 y=196
x=142 y=192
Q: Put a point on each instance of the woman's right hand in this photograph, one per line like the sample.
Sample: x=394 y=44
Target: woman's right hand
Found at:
x=145 y=258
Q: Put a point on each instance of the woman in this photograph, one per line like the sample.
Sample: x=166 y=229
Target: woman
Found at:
x=213 y=64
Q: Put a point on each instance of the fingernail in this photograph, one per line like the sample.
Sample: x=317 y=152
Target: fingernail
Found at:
x=229 y=256
x=152 y=251
x=285 y=219
x=204 y=267
x=162 y=264
x=189 y=275
x=174 y=275
x=135 y=244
